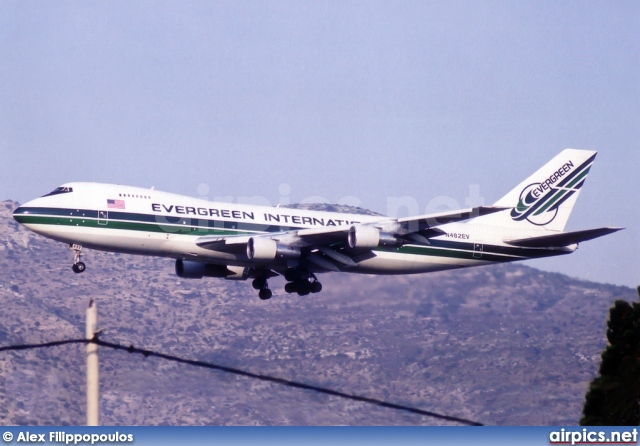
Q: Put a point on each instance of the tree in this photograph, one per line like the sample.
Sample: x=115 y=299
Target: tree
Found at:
x=613 y=397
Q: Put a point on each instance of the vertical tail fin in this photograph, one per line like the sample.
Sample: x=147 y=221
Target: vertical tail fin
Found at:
x=545 y=199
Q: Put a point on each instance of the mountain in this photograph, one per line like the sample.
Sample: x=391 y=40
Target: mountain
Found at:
x=342 y=208
x=504 y=345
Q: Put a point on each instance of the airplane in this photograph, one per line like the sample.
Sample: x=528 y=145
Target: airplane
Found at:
x=240 y=242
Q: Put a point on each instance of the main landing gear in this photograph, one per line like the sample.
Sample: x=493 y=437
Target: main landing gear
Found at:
x=78 y=266
x=262 y=285
x=302 y=283
x=299 y=281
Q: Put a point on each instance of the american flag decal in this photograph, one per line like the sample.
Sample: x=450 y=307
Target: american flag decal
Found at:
x=115 y=204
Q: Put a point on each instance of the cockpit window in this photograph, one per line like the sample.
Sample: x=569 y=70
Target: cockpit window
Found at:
x=60 y=190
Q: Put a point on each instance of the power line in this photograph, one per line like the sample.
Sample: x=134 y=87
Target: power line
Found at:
x=272 y=379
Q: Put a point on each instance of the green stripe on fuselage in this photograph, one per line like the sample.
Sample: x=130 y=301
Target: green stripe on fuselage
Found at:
x=437 y=248
x=463 y=250
x=147 y=222
x=127 y=225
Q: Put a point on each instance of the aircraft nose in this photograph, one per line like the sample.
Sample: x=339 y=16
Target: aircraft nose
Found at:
x=20 y=212
x=17 y=213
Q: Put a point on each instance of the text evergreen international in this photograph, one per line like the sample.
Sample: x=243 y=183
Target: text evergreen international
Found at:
x=244 y=215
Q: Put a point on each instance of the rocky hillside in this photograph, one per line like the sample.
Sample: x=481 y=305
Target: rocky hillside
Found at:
x=506 y=345
x=343 y=208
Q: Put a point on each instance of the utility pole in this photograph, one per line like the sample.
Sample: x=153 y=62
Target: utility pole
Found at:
x=93 y=385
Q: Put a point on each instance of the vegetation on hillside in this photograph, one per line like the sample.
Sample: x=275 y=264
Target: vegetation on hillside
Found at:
x=613 y=398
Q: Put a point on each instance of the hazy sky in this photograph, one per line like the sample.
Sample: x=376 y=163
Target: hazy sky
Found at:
x=334 y=99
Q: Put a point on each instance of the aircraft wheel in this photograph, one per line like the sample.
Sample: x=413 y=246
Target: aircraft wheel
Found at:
x=316 y=287
x=265 y=294
x=303 y=287
x=290 y=287
x=79 y=267
x=258 y=283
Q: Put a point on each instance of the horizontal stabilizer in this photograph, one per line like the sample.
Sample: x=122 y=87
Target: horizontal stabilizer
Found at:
x=561 y=239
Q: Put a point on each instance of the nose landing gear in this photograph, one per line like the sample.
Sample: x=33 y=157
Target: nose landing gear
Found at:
x=78 y=266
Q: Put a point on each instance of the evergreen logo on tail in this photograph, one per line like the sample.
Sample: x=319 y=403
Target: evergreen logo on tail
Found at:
x=539 y=202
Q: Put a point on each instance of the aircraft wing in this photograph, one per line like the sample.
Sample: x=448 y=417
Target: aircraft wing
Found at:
x=403 y=225
x=323 y=238
x=423 y=222
x=298 y=237
x=561 y=239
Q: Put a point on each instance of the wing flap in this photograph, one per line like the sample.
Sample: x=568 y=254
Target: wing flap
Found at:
x=561 y=239
x=323 y=263
x=224 y=244
x=323 y=236
x=337 y=256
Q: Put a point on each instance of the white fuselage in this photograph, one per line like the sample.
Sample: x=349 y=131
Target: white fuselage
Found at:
x=142 y=221
x=239 y=242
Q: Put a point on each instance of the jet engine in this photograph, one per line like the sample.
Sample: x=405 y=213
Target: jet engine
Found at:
x=262 y=248
x=363 y=237
x=369 y=237
x=188 y=269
